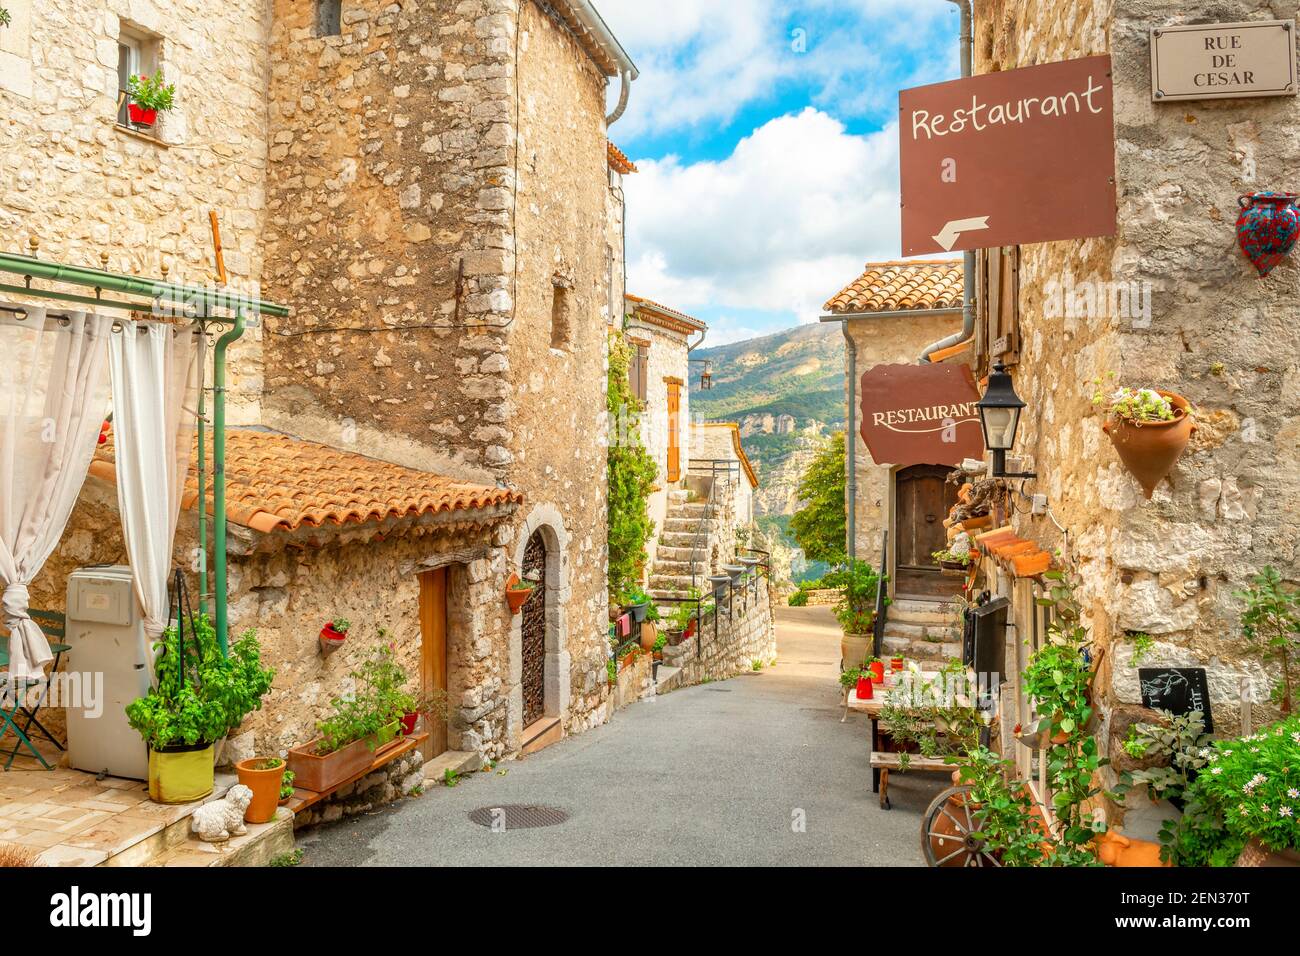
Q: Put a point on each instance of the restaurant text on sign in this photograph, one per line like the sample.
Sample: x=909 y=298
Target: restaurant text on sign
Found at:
x=1022 y=110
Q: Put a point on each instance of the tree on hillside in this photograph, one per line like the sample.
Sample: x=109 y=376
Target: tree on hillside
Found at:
x=820 y=525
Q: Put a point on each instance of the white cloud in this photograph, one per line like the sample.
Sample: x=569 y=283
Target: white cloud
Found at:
x=703 y=61
x=781 y=224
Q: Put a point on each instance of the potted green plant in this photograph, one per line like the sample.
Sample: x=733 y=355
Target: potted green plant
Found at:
x=1149 y=429
x=333 y=634
x=877 y=668
x=637 y=603
x=856 y=612
x=518 y=591
x=286 y=787
x=433 y=705
x=150 y=95
x=264 y=776
x=363 y=722
x=199 y=696
x=950 y=561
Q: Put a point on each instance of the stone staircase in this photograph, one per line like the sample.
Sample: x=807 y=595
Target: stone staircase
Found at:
x=679 y=546
x=924 y=631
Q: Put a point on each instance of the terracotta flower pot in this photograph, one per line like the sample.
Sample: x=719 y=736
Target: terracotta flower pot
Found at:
x=1256 y=854
x=1267 y=228
x=265 y=784
x=1150 y=450
x=140 y=116
x=649 y=635
x=516 y=596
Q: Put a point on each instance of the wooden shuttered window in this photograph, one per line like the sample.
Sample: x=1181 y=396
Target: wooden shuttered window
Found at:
x=639 y=372
x=997 y=294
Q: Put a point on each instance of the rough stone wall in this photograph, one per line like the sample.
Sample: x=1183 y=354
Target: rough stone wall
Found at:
x=72 y=178
x=884 y=342
x=288 y=594
x=742 y=640
x=439 y=172
x=559 y=418
x=1216 y=334
x=667 y=359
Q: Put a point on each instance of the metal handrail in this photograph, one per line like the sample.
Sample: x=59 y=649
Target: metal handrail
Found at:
x=882 y=602
x=714 y=471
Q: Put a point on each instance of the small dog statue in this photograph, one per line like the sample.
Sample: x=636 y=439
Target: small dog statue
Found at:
x=221 y=819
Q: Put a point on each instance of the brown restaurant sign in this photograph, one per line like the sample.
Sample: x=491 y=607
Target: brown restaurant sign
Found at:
x=921 y=414
x=1006 y=158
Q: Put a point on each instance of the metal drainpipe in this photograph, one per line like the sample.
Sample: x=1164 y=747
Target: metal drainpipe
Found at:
x=219 y=478
x=203 y=481
x=968 y=258
x=851 y=442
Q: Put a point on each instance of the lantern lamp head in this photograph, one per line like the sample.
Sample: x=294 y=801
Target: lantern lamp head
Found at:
x=1000 y=410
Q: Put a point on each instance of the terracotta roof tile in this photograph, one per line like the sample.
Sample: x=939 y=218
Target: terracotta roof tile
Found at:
x=618 y=160
x=276 y=482
x=663 y=315
x=902 y=286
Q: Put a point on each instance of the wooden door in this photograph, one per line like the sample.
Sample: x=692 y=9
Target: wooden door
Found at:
x=433 y=653
x=674 y=431
x=922 y=499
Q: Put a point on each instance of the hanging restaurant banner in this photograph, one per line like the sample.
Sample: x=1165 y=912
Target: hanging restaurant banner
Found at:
x=1007 y=158
x=921 y=414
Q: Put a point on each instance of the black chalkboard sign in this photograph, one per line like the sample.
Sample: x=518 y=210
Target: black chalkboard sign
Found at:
x=1179 y=690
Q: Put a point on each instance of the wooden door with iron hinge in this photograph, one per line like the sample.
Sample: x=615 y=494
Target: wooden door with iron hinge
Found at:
x=433 y=654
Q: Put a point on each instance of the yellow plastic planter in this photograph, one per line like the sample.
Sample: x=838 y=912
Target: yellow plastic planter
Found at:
x=181 y=774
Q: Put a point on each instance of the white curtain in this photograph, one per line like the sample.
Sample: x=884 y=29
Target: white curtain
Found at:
x=155 y=370
x=53 y=397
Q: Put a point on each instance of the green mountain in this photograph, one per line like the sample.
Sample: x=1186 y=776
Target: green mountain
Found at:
x=785 y=390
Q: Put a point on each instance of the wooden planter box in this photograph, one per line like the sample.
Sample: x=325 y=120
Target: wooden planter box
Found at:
x=323 y=773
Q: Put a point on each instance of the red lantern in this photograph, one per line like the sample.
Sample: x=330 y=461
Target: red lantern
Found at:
x=864 y=687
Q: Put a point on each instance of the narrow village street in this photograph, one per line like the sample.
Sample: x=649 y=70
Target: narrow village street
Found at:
x=709 y=775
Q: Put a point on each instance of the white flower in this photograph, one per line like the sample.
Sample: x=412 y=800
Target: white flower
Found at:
x=1284 y=811
x=1293 y=793
x=1244 y=811
x=1216 y=771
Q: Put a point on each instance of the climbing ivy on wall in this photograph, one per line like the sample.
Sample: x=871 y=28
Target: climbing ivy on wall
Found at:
x=4 y=17
x=632 y=474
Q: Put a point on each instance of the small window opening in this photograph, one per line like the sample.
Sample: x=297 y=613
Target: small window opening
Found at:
x=137 y=55
x=561 y=313
x=329 y=18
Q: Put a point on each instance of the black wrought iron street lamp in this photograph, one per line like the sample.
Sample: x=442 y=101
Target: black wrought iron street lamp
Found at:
x=1000 y=410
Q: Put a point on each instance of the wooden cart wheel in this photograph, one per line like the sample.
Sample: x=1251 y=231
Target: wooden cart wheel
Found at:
x=947 y=832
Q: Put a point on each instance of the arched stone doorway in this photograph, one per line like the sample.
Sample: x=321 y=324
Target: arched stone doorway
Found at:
x=532 y=631
x=539 y=655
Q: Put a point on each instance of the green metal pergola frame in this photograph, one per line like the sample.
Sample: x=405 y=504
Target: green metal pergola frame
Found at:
x=203 y=304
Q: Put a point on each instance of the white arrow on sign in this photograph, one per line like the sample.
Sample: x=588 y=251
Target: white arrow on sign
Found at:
x=949 y=234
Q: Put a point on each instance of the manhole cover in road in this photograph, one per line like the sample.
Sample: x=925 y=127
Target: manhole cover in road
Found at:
x=517 y=816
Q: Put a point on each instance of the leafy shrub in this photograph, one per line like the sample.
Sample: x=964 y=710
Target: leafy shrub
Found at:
x=214 y=695
x=632 y=476
x=1271 y=622
x=799 y=599
x=856 y=611
x=820 y=525
x=380 y=697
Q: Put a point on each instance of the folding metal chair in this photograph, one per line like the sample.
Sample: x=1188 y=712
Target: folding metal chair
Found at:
x=14 y=693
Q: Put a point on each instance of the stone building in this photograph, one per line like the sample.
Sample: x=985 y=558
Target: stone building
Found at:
x=431 y=188
x=1193 y=318
x=890 y=314
x=661 y=341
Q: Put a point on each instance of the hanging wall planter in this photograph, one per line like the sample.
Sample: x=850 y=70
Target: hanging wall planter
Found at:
x=518 y=592
x=149 y=96
x=332 y=635
x=1150 y=448
x=1267 y=228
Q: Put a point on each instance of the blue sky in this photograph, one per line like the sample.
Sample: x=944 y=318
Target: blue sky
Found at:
x=765 y=136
